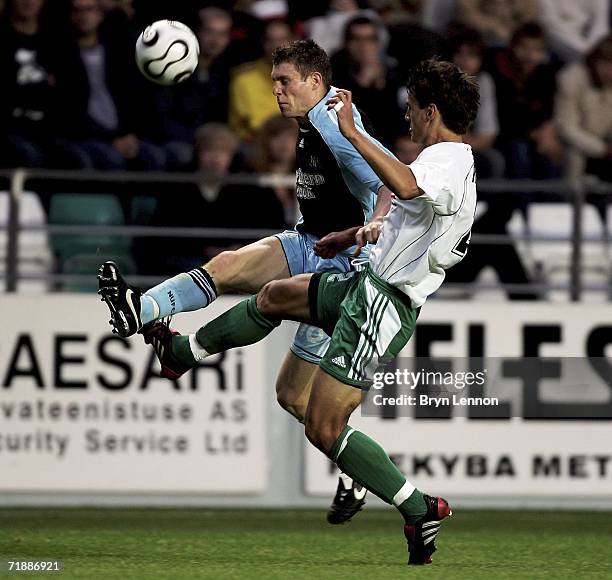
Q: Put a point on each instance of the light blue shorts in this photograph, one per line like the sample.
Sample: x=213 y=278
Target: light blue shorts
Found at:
x=311 y=343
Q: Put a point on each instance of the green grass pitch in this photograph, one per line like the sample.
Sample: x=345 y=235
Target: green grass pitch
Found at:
x=268 y=543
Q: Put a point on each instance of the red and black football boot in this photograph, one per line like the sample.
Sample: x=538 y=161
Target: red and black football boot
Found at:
x=159 y=336
x=421 y=536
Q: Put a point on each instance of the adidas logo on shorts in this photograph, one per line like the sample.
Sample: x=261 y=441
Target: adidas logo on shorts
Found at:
x=339 y=360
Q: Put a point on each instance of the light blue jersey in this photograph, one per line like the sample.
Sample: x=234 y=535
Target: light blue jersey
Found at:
x=336 y=190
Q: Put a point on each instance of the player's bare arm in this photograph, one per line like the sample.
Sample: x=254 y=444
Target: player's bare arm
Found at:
x=369 y=233
x=328 y=246
x=383 y=204
x=395 y=175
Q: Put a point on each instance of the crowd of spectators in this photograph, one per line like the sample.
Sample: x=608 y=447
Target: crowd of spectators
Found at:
x=73 y=99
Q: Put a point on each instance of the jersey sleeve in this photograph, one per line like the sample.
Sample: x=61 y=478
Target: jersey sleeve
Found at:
x=433 y=174
x=348 y=158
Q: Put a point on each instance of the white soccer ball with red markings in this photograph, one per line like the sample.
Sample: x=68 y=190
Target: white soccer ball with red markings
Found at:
x=167 y=52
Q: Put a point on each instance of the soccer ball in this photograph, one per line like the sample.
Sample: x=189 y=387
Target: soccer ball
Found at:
x=167 y=52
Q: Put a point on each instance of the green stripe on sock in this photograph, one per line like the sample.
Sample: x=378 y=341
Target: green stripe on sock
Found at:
x=335 y=450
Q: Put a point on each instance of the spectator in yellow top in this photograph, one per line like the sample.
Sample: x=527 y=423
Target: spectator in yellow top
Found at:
x=251 y=101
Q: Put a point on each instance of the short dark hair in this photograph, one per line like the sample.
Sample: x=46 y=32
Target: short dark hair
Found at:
x=530 y=30
x=307 y=57
x=444 y=84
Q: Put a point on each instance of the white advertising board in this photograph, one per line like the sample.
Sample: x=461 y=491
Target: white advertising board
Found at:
x=518 y=453
x=84 y=410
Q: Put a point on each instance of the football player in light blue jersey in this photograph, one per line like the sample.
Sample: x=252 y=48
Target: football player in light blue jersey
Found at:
x=336 y=189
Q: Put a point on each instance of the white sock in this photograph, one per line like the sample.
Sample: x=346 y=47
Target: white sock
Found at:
x=347 y=481
x=197 y=351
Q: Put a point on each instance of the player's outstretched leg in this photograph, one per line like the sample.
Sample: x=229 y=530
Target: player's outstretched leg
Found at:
x=241 y=325
x=160 y=336
x=131 y=309
x=244 y=271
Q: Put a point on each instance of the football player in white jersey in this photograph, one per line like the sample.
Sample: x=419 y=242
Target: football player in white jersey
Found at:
x=335 y=188
x=371 y=314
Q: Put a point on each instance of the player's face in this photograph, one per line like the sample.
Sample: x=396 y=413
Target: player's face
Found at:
x=295 y=96
x=417 y=119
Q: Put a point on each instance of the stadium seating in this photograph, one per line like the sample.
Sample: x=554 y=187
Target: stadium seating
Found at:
x=554 y=258
x=142 y=208
x=87 y=265
x=34 y=254
x=82 y=253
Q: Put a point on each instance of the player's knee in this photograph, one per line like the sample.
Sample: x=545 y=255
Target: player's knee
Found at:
x=271 y=298
x=287 y=400
x=322 y=432
x=224 y=269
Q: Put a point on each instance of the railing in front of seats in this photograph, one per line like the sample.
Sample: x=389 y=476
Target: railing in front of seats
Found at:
x=574 y=191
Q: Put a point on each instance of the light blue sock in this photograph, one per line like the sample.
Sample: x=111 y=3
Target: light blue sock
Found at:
x=183 y=293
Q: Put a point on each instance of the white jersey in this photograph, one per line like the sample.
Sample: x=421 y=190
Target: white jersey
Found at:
x=424 y=236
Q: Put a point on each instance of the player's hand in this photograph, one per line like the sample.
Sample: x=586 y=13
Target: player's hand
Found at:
x=342 y=103
x=368 y=234
x=328 y=246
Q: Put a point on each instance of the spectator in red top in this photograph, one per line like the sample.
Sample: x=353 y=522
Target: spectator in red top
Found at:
x=525 y=88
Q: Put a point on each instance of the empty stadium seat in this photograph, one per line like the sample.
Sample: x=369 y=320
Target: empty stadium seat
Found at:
x=554 y=258
x=86 y=209
x=34 y=253
x=76 y=253
x=87 y=265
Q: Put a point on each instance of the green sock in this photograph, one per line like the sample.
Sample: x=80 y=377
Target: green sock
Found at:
x=367 y=463
x=239 y=326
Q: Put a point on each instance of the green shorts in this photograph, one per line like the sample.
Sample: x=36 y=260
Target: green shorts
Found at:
x=368 y=319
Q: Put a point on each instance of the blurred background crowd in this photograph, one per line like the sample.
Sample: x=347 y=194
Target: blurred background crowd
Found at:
x=73 y=99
